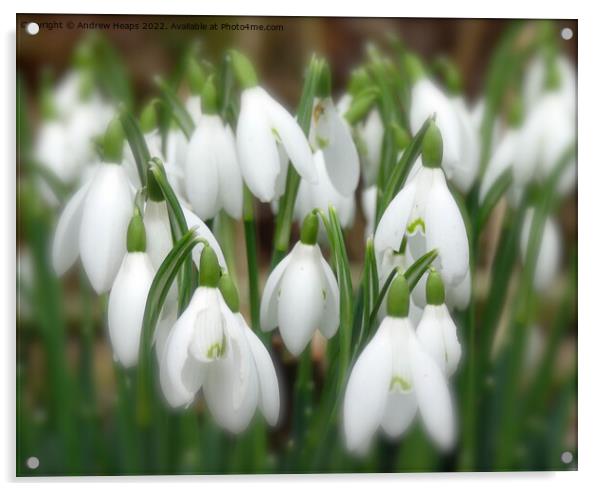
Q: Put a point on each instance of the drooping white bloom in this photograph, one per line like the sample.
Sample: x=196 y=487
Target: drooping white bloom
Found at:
x=300 y=297
x=426 y=211
x=212 y=176
x=210 y=347
x=536 y=78
x=127 y=302
x=393 y=378
x=503 y=158
x=194 y=108
x=436 y=330
x=263 y=125
x=94 y=224
x=371 y=133
x=460 y=139
x=322 y=195
x=548 y=257
x=330 y=133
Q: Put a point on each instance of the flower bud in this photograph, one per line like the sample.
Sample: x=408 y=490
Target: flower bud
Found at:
x=360 y=80
x=209 y=268
x=398 y=300
x=401 y=136
x=413 y=67
x=113 y=141
x=148 y=117
x=136 y=237
x=435 y=290
x=450 y=74
x=195 y=75
x=243 y=69
x=324 y=87
x=309 y=229
x=209 y=97
x=432 y=146
x=229 y=292
x=362 y=103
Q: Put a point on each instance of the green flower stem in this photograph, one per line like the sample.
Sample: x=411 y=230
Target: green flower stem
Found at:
x=286 y=205
x=513 y=357
x=252 y=266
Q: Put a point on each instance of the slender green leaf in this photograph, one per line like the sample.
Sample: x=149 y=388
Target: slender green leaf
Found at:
x=137 y=143
x=178 y=111
x=499 y=188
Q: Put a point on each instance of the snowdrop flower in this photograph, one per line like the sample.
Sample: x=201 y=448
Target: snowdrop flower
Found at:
x=460 y=140
x=537 y=76
x=94 y=222
x=212 y=176
x=301 y=294
x=127 y=299
x=156 y=221
x=264 y=126
x=426 y=211
x=370 y=134
x=548 y=257
x=330 y=133
x=393 y=379
x=436 y=330
x=193 y=106
x=322 y=195
x=211 y=347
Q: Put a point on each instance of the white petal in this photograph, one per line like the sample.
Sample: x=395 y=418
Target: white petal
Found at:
x=367 y=391
x=399 y=413
x=230 y=180
x=193 y=106
x=271 y=293
x=548 y=258
x=231 y=399
x=127 y=302
x=158 y=231
x=428 y=99
x=208 y=339
x=501 y=160
x=446 y=232
x=291 y=136
x=201 y=169
x=465 y=172
x=458 y=296
x=392 y=225
x=369 y=196
x=301 y=303
x=107 y=212
x=181 y=375
x=371 y=133
x=65 y=246
x=330 y=323
x=437 y=334
x=256 y=146
x=432 y=394
x=333 y=136
x=269 y=393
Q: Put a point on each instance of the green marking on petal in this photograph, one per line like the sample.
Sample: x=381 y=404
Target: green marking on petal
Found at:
x=322 y=142
x=276 y=135
x=412 y=226
x=216 y=350
x=403 y=384
x=323 y=294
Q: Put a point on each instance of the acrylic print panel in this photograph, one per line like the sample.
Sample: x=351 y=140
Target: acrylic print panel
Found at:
x=295 y=245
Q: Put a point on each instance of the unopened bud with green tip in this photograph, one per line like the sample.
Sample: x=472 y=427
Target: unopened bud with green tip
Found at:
x=243 y=69
x=309 y=229
x=229 y=292
x=401 y=136
x=413 y=67
x=359 y=81
x=113 y=141
x=398 y=299
x=195 y=76
x=324 y=87
x=148 y=117
x=432 y=146
x=361 y=105
x=209 y=268
x=136 y=235
x=209 y=97
x=435 y=289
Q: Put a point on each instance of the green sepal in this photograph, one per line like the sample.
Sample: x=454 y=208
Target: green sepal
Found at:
x=195 y=76
x=209 y=268
x=435 y=289
x=324 y=87
x=113 y=141
x=432 y=147
x=136 y=236
x=361 y=104
x=229 y=292
x=309 y=229
x=398 y=300
x=413 y=67
x=243 y=70
x=148 y=117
